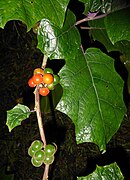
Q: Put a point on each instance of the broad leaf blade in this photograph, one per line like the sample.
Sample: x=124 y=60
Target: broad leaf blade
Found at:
x=90 y=84
x=118 y=25
x=99 y=33
x=109 y=172
x=16 y=115
x=31 y=12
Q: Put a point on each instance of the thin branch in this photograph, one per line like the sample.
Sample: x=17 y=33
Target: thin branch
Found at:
x=89 y=28
x=90 y=19
x=44 y=62
x=46 y=171
x=39 y=117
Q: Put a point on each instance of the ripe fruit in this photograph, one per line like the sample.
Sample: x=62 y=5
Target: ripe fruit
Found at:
x=48 y=70
x=56 y=79
x=31 y=82
x=48 y=78
x=38 y=71
x=50 y=150
x=36 y=145
x=48 y=160
x=44 y=91
x=37 y=78
x=36 y=163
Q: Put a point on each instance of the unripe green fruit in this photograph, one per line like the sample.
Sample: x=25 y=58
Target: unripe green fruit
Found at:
x=37 y=145
x=50 y=150
x=48 y=160
x=56 y=79
x=51 y=86
x=36 y=163
x=48 y=70
x=39 y=155
x=31 y=151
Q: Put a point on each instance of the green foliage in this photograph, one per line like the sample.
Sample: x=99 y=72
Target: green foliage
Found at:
x=108 y=172
x=113 y=32
x=16 y=115
x=30 y=12
x=92 y=90
x=91 y=85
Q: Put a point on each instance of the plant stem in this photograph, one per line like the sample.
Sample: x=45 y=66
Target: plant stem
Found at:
x=39 y=117
x=90 y=19
x=40 y=120
x=44 y=61
x=46 y=171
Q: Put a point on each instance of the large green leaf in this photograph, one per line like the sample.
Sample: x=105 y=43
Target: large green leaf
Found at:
x=99 y=33
x=92 y=90
x=108 y=172
x=118 y=25
x=32 y=11
x=16 y=115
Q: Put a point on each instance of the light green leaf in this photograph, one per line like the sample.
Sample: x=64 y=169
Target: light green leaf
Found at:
x=108 y=172
x=32 y=11
x=118 y=25
x=16 y=115
x=90 y=84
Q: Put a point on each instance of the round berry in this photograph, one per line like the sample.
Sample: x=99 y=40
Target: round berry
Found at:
x=31 y=151
x=51 y=86
x=48 y=70
x=48 y=160
x=37 y=78
x=56 y=79
x=31 y=82
x=38 y=71
x=50 y=150
x=44 y=91
x=39 y=155
x=35 y=162
x=48 y=78
x=36 y=145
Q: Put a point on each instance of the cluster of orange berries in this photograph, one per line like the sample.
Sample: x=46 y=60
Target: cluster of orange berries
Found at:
x=46 y=80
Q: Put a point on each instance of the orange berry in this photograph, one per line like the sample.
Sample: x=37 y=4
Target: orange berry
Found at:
x=48 y=78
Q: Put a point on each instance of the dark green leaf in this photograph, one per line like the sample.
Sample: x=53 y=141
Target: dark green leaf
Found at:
x=16 y=115
x=4 y=176
x=90 y=84
x=31 y=11
x=91 y=5
x=108 y=172
x=99 y=33
x=118 y=25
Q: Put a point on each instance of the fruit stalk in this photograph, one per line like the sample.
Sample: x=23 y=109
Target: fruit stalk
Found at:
x=39 y=117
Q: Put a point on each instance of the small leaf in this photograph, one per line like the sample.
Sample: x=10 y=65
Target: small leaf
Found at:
x=16 y=115
x=109 y=172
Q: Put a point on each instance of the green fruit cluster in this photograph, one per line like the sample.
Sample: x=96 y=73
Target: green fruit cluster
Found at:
x=41 y=155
